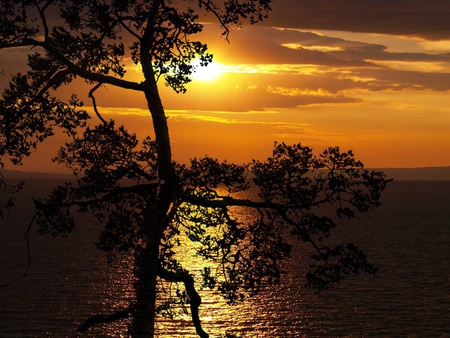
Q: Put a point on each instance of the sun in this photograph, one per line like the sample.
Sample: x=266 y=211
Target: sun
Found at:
x=208 y=73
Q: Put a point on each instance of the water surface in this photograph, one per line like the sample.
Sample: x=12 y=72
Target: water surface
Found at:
x=408 y=237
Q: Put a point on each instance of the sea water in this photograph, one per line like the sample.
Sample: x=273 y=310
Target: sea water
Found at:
x=408 y=237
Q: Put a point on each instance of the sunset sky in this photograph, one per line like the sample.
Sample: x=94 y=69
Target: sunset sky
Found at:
x=372 y=76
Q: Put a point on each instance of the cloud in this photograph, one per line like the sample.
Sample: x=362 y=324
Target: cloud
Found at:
x=287 y=68
x=340 y=69
x=266 y=45
x=315 y=48
x=418 y=18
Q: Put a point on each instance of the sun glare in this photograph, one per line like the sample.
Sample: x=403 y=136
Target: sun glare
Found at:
x=208 y=73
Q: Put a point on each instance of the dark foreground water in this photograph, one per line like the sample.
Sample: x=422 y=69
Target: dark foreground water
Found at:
x=409 y=237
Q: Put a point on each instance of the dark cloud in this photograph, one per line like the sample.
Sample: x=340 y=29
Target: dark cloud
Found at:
x=390 y=79
x=353 y=50
x=263 y=45
x=418 y=18
x=270 y=46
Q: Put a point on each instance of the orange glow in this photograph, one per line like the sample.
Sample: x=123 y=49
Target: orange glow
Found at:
x=385 y=97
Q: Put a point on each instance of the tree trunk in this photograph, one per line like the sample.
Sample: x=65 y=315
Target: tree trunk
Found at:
x=154 y=222
x=165 y=165
x=144 y=310
x=147 y=265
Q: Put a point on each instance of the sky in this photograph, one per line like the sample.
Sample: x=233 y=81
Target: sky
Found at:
x=372 y=76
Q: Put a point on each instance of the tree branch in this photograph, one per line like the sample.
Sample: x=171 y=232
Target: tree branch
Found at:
x=23 y=43
x=73 y=68
x=55 y=80
x=113 y=193
x=86 y=74
x=128 y=29
x=27 y=238
x=94 y=103
x=209 y=8
x=195 y=299
x=148 y=38
x=43 y=18
x=102 y=319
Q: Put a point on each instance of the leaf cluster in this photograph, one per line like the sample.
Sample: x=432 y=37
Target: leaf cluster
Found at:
x=95 y=36
x=241 y=220
x=29 y=114
x=242 y=241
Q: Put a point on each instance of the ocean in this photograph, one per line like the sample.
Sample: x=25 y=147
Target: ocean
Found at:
x=408 y=237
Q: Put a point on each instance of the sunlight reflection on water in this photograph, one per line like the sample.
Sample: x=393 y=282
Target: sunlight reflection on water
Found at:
x=408 y=237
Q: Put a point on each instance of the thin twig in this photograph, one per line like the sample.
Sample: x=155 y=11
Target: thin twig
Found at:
x=27 y=237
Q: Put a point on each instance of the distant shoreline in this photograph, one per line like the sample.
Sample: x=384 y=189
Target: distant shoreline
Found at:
x=400 y=174
x=17 y=174
x=417 y=174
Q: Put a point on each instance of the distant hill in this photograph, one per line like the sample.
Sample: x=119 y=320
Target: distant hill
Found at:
x=400 y=174
x=21 y=175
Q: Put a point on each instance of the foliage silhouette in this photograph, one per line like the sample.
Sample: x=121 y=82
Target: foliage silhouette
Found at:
x=147 y=201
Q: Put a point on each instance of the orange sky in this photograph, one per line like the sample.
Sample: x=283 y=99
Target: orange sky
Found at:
x=383 y=92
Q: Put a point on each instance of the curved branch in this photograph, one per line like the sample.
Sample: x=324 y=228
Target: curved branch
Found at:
x=73 y=68
x=116 y=192
x=128 y=29
x=88 y=75
x=55 y=80
x=102 y=319
x=27 y=238
x=209 y=8
x=94 y=103
x=195 y=299
x=22 y=43
x=43 y=18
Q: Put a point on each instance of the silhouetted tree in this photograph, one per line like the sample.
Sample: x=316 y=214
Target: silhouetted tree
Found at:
x=145 y=200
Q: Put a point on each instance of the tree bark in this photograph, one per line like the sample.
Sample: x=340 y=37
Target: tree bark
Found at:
x=143 y=324
x=165 y=165
x=147 y=264
x=194 y=298
x=155 y=222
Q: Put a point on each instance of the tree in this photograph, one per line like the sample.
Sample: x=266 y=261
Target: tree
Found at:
x=146 y=200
